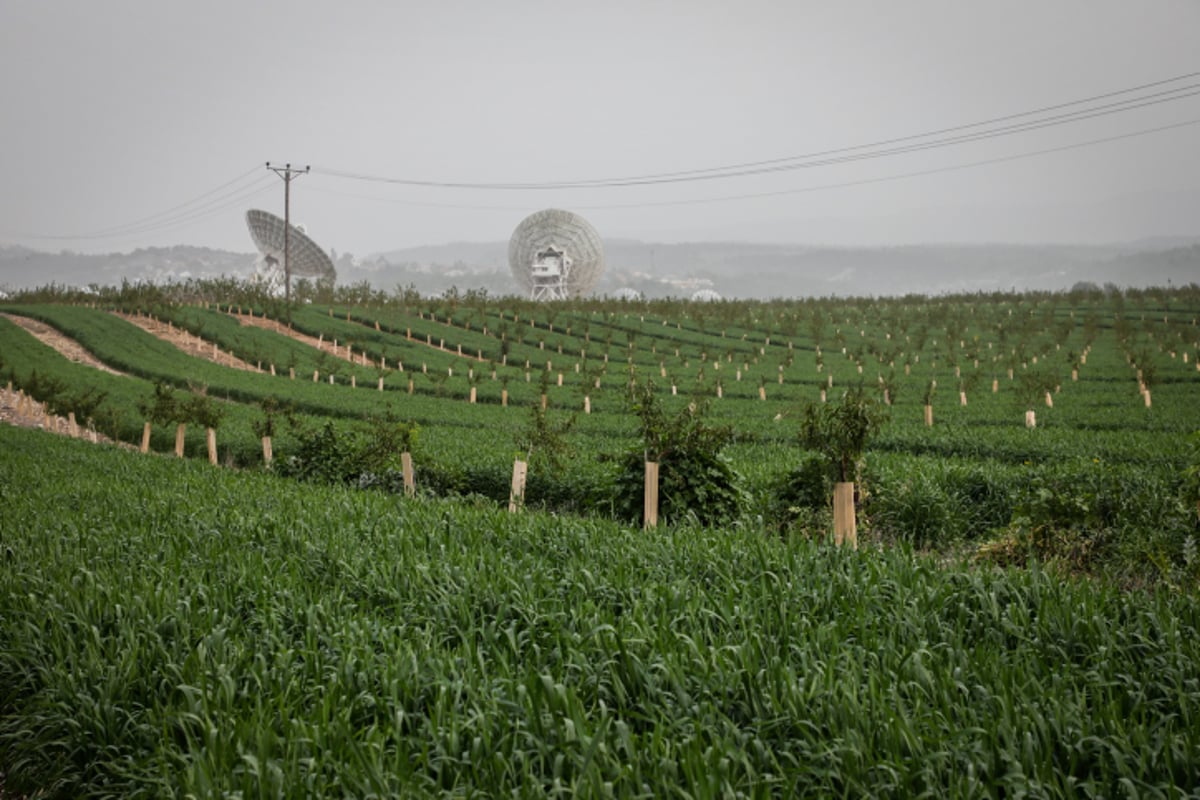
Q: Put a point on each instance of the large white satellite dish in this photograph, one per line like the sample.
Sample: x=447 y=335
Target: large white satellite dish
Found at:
x=705 y=296
x=555 y=255
x=307 y=258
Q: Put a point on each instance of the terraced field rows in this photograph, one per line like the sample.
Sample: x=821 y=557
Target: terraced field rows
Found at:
x=974 y=472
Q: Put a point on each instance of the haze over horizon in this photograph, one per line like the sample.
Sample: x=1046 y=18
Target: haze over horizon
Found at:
x=136 y=124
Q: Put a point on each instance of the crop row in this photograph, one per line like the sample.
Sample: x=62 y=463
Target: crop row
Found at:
x=1097 y=426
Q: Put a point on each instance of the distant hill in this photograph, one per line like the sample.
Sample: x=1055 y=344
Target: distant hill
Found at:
x=739 y=269
x=734 y=269
x=22 y=268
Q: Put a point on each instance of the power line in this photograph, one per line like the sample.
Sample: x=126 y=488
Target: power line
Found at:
x=848 y=153
x=903 y=176
x=799 y=190
x=212 y=208
x=176 y=216
x=174 y=208
x=1005 y=118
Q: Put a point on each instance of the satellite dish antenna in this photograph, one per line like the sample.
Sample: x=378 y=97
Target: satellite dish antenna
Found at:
x=627 y=293
x=556 y=255
x=307 y=258
x=705 y=296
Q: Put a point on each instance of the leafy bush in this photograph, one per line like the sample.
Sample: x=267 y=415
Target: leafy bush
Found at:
x=694 y=477
x=840 y=431
x=364 y=458
x=800 y=499
x=201 y=410
x=85 y=404
x=1099 y=518
x=163 y=408
x=43 y=388
x=273 y=410
x=543 y=441
x=322 y=456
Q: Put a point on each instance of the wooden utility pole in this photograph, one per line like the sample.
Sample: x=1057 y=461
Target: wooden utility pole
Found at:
x=287 y=172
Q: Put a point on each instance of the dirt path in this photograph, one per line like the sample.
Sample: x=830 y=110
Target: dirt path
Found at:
x=192 y=345
x=312 y=341
x=21 y=410
x=328 y=347
x=65 y=345
x=17 y=408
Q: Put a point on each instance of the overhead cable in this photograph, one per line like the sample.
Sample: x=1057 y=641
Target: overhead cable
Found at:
x=845 y=154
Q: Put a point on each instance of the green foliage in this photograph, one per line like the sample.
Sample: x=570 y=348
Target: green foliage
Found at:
x=365 y=456
x=937 y=504
x=386 y=437
x=85 y=404
x=164 y=407
x=273 y=409
x=169 y=629
x=1147 y=368
x=695 y=478
x=544 y=442
x=44 y=388
x=840 y=431
x=202 y=410
x=1031 y=385
x=800 y=498
x=1081 y=517
x=467 y=448
x=59 y=399
x=1191 y=475
x=917 y=509
x=323 y=455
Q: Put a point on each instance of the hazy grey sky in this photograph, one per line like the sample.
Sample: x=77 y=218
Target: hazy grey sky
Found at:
x=119 y=111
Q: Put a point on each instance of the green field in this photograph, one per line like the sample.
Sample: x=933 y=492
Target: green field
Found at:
x=170 y=629
x=1020 y=619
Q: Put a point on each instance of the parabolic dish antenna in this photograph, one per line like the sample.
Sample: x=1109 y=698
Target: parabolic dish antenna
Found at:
x=556 y=255
x=307 y=258
x=705 y=296
x=627 y=293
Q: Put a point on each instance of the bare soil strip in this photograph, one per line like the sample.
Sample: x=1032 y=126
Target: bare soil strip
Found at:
x=65 y=345
x=312 y=341
x=340 y=352
x=192 y=345
x=21 y=410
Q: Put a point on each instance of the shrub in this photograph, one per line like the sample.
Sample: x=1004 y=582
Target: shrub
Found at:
x=323 y=456
x=1101 y=519
x=363 y=458
x=800 y=499
x=695 y=478
x=839 y=432
x=163 y=408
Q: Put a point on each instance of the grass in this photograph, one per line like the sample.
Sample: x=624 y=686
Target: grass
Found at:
x=167 y=628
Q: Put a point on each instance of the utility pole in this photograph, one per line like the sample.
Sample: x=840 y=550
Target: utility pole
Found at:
x=287 y=172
